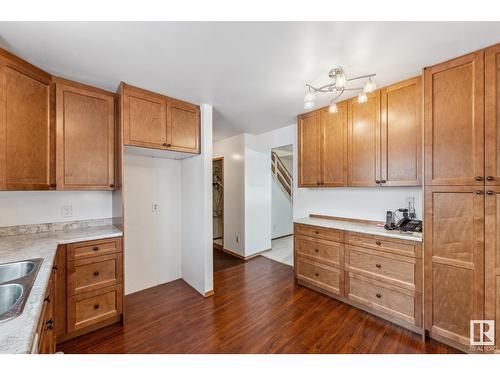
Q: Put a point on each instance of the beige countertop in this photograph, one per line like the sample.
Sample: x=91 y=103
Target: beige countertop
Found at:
x=360 y=227
x=16 y=335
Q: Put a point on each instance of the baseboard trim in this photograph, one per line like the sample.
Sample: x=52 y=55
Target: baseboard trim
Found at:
x=242 y=257
x=217 y=246
x=286 y=235
x=209 y=293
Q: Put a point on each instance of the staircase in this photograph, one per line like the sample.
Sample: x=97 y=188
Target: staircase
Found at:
x=281 y=175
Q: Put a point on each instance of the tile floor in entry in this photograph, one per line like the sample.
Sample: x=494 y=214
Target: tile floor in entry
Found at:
x=281 y=251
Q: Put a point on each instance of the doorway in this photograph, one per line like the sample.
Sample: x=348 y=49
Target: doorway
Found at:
x=218 y=201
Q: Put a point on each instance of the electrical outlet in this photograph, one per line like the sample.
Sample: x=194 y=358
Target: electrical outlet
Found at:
x=155 y=207
x=67 y=211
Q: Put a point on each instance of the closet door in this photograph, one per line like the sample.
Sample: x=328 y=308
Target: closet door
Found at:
x=364 y=141
x=144 y=118
x=26 y=126
x=454 y=126
x=492 y=115
x=309 y=139
x=183 y=127
x=85 y=130
x=334 y=146
x=454 y=256
x=401 y=139
x=492 y=257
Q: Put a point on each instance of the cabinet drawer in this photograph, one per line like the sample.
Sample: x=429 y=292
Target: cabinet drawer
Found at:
x=383 y=297
x=381 y=243
x=93 y=307
x=322 y=251
x=90 y=274
x=322 y=276
x=89 y=249
x=319 y=232
x=381 y=265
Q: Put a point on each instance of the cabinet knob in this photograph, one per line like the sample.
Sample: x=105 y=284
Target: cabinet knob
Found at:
x=53 y=185
x=164 y=144
x=378 y=265
x=316 y=250
x=49 y=325
x=490 y=178
x=378 y=243
x=169 y=145
x=96 y=306
x=316 y=232
x=479 y=192
x=378 y=295
x=95 y=248
x=111 y=185
x=316 y=274
x=377 y=181
x=490 y=192
x=96 y=273
x=383 y=181
x=479 y=178
x=47 y=299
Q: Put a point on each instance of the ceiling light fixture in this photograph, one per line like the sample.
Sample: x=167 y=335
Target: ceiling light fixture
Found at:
x=338 y=86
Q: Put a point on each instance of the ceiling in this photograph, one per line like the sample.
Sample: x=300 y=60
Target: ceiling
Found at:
x=253 y=73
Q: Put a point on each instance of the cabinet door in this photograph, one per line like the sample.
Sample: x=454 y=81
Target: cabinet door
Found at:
x=401 y=138
x=364 y=141
x=454 y=256
x=183 y=127
x=492 y=258
x=26 y=127
x=144 y=118
x=492 y=115
x=85 y=137
x=334 y=146
x=453 y=120
x=309 y=138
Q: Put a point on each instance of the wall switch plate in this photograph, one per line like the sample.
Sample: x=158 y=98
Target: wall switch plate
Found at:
x=67 y=211
x=155 y=207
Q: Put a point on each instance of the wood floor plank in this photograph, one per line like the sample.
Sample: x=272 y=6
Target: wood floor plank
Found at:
x=257 y=308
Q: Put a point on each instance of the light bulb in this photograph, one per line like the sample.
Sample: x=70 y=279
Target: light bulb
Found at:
x=362 y=98
x=309 y=99
x=340 y=79
x=370 y=86
x=333 y=107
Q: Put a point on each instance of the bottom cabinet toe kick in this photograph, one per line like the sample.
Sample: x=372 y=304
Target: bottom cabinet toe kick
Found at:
x=378 y=274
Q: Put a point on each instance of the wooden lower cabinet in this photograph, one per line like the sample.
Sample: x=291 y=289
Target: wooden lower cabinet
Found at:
x=381 y=275
x=90 y=289
x=454 y=256
x=46 y=325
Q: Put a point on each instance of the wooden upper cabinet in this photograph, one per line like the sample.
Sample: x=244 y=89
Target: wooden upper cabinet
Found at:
x=454 y=257
x=183 y=127
x=144 y=117
x=85 y=133
x=453 y=121
x=364 y=141
x=156 y=121
x=309 y=160
x=334 y=146
x=401 y=139
x=492 y=115
x=26 y=126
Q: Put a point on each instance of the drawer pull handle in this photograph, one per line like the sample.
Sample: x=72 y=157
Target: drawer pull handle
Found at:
x=378 y=265
x=490 y=178
x=490 y=192
x=378 y=295
x=95 y=248
x=49 y=325
x=378 y=243
x=47 y=299
x=316 y=250
x=96 y=273
x=316 y=232
x=316 y=274
x=479 y=178
x=96 y=306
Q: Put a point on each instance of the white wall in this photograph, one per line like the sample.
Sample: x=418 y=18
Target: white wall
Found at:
x=257 y=197
x=152 y=239
x=36 y=207
x=233 y=150
x=281 y=211
x=196 y=216
x=362 y=203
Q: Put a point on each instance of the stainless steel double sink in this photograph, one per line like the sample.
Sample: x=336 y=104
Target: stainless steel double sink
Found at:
x=16 y=281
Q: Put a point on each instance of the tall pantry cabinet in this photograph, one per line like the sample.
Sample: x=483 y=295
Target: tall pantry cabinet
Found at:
x=460 y=151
